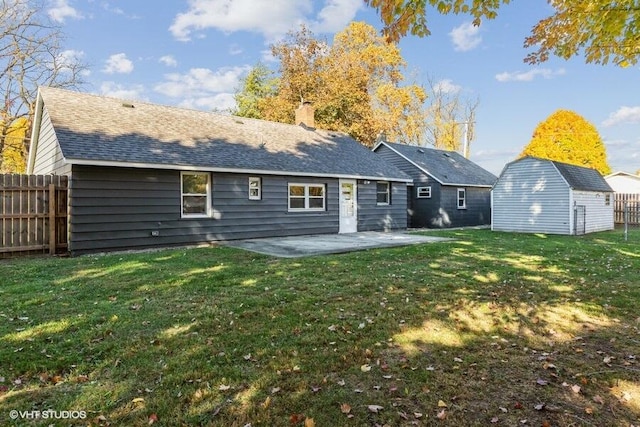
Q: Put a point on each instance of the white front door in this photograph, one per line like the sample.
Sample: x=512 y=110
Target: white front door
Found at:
x=348 y=206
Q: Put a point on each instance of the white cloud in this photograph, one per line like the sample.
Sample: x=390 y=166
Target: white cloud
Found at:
x=465 y=37
x=203 y=88
x=272 y=18
x=123 y=92
x=446 y=86
x=527 y=76
x=335 y=15
x=624 y=114
x=235 y=49
x=118 y=63
x=61 y=10
x=169 y=61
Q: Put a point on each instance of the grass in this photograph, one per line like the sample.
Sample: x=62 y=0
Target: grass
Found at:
x=491 y=329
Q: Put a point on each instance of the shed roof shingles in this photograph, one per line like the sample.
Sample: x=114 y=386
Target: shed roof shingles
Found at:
x=581 y=178
x=93 y=128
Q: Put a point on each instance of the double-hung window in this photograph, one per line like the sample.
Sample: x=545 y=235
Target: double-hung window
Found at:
x=255 y=188
x=306 y=197
x=383 y=193
x=462 y=198
x=195 y=190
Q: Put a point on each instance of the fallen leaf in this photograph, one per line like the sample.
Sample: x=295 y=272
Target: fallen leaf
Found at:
x=546 y=423
x=457 y=359
x=365 y=368
x=375 y=408
x=138 y=400
x=274 y=390
x=309 y=422
x=224 y=387
x=418 y=414
x=296 y=419
x=441 y=404
x=153 y=418
x=266 y=403
x=575 y=388
x=518 y=405
x=494 y=420
x=82 y=378
x=503 y=409
x=598 y=399
x=607 y=360
x=345 y=408
x=588 y=410
x=296 y=368
x=540 y=381
x=442 y=414
x=539 y=407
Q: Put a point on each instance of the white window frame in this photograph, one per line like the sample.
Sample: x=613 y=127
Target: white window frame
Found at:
x=307 y=197
x=258 y=187
x=462 y=198
x=388 y=193
x=421 y=190
x=607 y=199
x=207 y=212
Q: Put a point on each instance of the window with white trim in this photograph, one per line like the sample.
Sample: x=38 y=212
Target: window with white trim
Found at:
x=194 y=194
x=423 y=192
x=255 y=188
x=383 y=193
x=607 y=199
x=306 y=197
x=462 y=198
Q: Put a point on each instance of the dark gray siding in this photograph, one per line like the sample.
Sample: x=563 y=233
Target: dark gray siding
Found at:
x=118 y=208
x=372 y=217
x=48 y=158
x=441 y=209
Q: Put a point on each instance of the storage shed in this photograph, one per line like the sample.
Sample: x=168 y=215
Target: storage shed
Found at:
x=534 y=195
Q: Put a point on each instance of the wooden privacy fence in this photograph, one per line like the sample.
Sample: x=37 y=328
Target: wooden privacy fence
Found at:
x=33 y=214
x=632 y=201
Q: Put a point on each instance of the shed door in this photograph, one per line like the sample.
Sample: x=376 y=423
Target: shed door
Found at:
x=348 y=206
x=580 y=219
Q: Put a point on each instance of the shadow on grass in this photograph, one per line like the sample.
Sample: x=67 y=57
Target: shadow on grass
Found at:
x=500 y=328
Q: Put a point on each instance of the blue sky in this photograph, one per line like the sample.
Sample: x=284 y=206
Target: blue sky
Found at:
x=194 y=53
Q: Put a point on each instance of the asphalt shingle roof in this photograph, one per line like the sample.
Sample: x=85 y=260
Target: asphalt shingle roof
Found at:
x=92 y=128
x=448 y=167
x=581 y=178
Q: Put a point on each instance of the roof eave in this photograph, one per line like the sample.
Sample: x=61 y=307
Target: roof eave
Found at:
x=143 y=165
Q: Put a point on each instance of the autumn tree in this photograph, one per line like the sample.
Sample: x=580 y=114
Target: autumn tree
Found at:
x=603 y=30
x=356 y=85
x=450 y=118
x=567 y=137
x=31 y=55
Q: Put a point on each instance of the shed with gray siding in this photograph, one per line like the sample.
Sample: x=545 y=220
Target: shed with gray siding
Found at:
x=448 y=190
x=145 y=175
x=535 y=195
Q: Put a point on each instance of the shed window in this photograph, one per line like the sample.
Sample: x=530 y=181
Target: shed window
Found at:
x=383 y=195
x=462 y=198
x=424 y=192
x=195 y=190
x=306 y=197
x=255 y=188
x=607 y=199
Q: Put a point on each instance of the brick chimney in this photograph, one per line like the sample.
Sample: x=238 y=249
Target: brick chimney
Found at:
x=304 y=115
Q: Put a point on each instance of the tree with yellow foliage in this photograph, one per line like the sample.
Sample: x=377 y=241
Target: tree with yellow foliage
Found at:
x=356 y=85
x=602 y=30
x=14 y=147
x=567 y=137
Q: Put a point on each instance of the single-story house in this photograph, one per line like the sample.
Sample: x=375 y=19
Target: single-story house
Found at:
x=535 y=195
x=624 y=182
x=144 y=175
x=448 y=190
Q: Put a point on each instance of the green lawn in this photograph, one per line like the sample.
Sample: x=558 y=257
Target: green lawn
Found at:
x=490 y=329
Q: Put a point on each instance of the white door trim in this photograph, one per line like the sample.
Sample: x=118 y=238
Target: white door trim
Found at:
x=348 y=206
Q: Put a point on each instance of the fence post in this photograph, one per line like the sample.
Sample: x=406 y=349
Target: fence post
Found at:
x=626 y=221
x=52 y=219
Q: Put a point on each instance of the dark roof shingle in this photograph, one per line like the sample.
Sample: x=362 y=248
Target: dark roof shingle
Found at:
x=448 y=167
x=101 y=130
x=582 y=178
